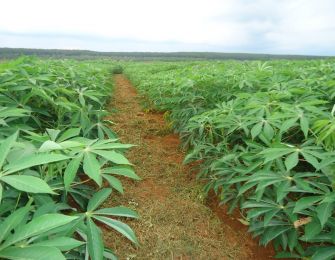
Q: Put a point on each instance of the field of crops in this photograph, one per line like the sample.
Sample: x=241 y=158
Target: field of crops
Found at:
x=261 y=134
x=59 y=161
x=264 y=135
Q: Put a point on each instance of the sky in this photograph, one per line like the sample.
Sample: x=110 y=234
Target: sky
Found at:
x=253 y=26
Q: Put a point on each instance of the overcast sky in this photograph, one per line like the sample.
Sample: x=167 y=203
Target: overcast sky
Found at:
x=261 y=26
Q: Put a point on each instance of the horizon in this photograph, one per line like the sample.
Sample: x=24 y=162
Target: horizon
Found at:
x=227 y=26
x=171 y=52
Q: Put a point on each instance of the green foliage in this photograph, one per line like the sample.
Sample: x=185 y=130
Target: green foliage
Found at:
x=264 y=133
x=117 y=69
x=47 y=210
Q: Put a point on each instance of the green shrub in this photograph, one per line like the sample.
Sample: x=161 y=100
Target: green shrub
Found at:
x=117 y=69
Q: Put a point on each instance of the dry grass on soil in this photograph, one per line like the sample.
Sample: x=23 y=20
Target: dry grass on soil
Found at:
x=175 y=222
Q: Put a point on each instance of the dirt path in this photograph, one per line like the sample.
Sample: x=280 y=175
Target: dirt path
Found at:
x=175 y=221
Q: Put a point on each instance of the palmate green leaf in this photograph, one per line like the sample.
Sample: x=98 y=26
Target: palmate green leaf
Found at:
x=117 y=211
x=292 y=160
x=286 y=125
x=268 y=216
x=304 y=185
x=263 y=184
x=330 y=197
x=33 y=160
x=122 y=171
x=282 y=190
x=312 y=229
x=324 y=253
x=53 y=133
x=37 y=226
x=259 y=204
x=256 y=212
x=108 y=144
x=28 y=184
x=32 y=253
x=69 y=133
x=112 y=156
x=263 y=176
x=5 y=147
x=114 y=182
x=91 y=167
x=311 y=159
x=306 y=202
x=62 y=243
x=95 y=244
x=304 y=124
x=49 y=146
x=271 y=154
x=123 y=228
x=273 y=232
x=256 y=130
x=13 y=112
x=110 y=255
x=71 y=171
x=98 y=198
x=12 y=221
x=268 y=131
x=246 y=187
x=292 y=239
x=71 y=144
x=324 y=212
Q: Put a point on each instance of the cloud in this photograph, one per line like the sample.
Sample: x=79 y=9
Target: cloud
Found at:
x=268 y=26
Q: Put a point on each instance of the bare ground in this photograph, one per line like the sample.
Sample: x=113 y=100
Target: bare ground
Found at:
x=176 y=220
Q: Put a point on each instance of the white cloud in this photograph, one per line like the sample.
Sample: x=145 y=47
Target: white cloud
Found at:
x=286 y=26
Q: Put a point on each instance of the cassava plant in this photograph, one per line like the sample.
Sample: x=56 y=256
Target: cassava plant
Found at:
x=59 y=161
x=264 y=134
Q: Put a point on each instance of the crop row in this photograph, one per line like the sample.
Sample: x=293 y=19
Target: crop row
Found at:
x=265 y=136
x=59 y=161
